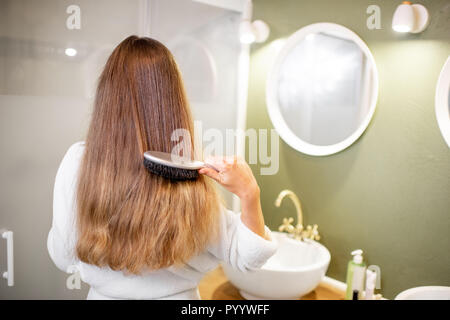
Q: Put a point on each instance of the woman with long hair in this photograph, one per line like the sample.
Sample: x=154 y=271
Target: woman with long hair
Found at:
x=133 y=234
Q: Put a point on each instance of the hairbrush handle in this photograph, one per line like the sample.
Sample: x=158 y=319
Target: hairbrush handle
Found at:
x=207 y=165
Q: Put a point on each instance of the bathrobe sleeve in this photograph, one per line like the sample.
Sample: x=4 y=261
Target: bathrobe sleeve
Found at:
x=239 y=246
x=61 y=239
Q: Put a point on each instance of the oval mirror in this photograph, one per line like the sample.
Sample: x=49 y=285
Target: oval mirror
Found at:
x=322 y=89
x=442 y=101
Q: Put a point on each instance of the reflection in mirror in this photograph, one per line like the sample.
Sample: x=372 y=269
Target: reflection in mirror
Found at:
x=325 y=85
x=322 y=90
x=442 y=101
x=198 y=67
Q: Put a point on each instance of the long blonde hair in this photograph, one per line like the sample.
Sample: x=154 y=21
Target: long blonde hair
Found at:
x=128 y=218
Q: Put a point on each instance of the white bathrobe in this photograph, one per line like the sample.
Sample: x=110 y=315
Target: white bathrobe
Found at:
x=238 y=246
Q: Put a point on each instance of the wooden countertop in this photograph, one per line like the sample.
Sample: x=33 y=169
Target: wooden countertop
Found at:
x=215 y=286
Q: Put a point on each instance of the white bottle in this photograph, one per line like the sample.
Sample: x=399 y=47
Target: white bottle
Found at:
x=355 y=274
x=371 y=278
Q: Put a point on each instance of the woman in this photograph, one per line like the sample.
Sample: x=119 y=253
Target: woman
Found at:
x=132 y=234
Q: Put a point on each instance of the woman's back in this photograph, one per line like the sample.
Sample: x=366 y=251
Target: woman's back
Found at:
x=131 y=233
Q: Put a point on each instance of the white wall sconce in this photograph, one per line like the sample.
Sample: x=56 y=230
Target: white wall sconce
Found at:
x=249 y=32
x=411 y=18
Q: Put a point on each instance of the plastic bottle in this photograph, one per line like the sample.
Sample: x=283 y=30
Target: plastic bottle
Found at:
x=355 y=274
x=371 y=278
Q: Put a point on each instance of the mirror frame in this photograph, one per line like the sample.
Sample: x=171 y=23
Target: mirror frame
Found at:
x=442 y=103
x=272 y=91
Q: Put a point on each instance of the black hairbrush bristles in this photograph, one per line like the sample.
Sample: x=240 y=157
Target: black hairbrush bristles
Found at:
x=175 y=174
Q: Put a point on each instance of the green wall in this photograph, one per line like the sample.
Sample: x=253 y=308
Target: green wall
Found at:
x=388 y=193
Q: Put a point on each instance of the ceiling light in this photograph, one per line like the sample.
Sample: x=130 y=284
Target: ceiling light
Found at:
x=71 y=52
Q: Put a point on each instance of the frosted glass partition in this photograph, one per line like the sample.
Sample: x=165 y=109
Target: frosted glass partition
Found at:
x=207 y=50
x=204 y=40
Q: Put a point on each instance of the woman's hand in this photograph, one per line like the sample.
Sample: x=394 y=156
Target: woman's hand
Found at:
x=236 y=176
x=233 y=174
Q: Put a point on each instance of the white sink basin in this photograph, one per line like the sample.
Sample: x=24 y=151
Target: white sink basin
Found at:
x=425 y=293
x=293 y=271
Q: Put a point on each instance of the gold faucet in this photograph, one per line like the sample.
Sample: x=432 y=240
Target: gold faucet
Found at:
x=298 y=232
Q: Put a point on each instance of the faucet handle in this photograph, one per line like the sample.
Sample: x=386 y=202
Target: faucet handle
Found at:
x=287 y=226
x=315 y=233
x=311 y=232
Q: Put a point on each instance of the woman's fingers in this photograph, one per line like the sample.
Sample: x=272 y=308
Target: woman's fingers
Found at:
x=217 y=162
x=210 y=173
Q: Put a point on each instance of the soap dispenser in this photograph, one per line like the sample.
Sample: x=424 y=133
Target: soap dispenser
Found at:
x=355 y=274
